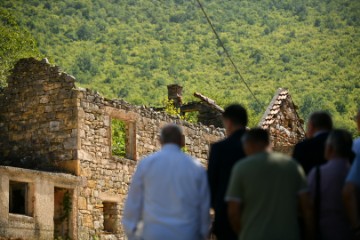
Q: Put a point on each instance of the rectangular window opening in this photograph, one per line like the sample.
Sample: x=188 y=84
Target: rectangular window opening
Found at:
x=123 y=143
x=111 y=217
x=118 y=133
x=63 y=222
x=19 y=198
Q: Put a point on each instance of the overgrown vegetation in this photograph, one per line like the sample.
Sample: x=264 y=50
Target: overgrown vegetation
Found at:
x=118 y=134
x=133 y=49
x=65 y=217
x=67 y=206
x=170 y=108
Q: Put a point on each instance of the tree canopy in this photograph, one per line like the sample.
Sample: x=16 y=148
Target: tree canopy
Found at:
x=15 y=43
x=133 y=48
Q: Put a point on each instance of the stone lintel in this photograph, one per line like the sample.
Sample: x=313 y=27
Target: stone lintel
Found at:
x=108 y=197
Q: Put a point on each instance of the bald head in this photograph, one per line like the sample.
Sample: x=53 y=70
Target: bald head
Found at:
x=319 y=121
x=339 y=144
x=172 y=134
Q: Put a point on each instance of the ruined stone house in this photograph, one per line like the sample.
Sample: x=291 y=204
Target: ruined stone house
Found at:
x=44 y=118
x=209 y=113
x=48 y=125
x=280 y=118
x=283 y=122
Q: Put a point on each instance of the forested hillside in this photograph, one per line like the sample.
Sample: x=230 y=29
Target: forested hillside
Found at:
x=15 y=43
x=133 y=48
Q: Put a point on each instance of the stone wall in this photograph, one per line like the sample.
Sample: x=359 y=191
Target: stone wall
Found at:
x=108 y=176
x=43 y=115
x=38 y=115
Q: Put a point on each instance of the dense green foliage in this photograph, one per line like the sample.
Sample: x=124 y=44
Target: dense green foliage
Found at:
x=118 y=135
x=15 y=43
x=133 y=48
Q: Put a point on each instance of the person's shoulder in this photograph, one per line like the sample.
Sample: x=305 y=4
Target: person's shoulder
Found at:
x=320 y=139
x=311 y=175
x=227 y=143
x=315 y=143
x=219 y=143
x=301 y=149
x=356 y=144
x=149 y=158
x=303 y=144
x=246 y=162
x=322 y=136
x=218 y=147
x=285 y=160
x=191 y=160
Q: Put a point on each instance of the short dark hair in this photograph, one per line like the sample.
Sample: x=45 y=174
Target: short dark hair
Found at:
x=236 y=114
x=341 y=141
x=257 y=135
x=171 y=133
x=321 y=120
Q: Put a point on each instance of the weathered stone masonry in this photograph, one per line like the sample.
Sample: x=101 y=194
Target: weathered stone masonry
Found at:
x=45 y=117
x=107 y=176
x=43 y=114
x=43 y=204
x=283 y=122
x=38 y=113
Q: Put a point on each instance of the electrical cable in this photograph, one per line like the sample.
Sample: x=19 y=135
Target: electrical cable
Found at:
x=226 y=52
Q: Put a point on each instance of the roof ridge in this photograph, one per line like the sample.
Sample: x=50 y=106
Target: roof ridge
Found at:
x=209 y=101
x=279 y=92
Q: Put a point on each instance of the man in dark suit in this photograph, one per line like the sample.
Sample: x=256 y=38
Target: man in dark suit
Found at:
x=223 y=156
x=310 y=152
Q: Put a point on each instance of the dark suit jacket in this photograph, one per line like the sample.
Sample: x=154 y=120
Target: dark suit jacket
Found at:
x=223 y=156
x=311 y=152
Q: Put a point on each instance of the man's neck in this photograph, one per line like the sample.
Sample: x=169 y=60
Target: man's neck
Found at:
x=234 y=130
x=259 y=152
x=171 y=146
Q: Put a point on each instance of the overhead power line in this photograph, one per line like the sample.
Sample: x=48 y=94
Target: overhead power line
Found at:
x=226 y=52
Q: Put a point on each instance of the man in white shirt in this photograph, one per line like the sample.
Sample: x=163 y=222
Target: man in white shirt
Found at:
x=169 y=194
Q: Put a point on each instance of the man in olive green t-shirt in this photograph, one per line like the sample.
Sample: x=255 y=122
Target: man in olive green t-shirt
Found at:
x=264 y=192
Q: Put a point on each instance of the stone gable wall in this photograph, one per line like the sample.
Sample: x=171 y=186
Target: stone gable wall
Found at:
x=285 y=132
x=38 y=113
x=283 y=123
